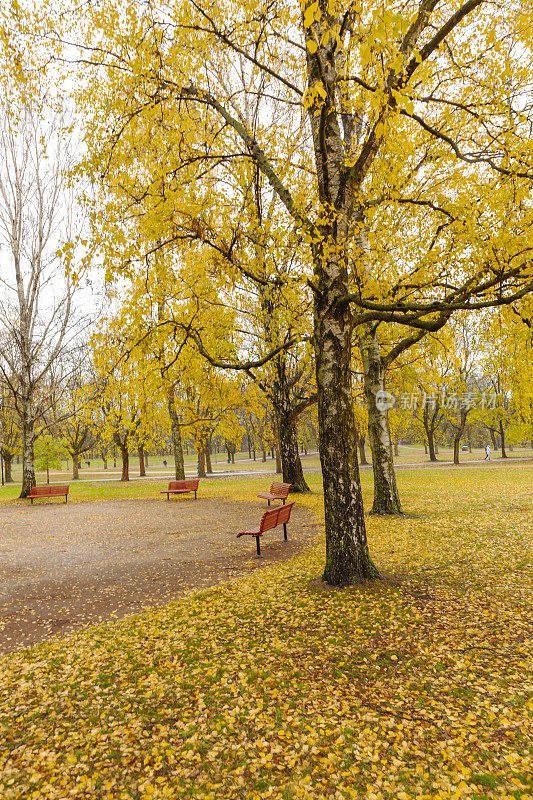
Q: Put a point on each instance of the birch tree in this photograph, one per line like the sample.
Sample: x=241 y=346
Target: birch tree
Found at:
x=405 y=109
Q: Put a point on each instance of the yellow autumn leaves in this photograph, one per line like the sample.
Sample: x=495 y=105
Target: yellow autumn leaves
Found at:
x=272 y=687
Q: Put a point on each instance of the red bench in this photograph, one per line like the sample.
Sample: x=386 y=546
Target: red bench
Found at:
x=182 y=487
x=271 y=519
x=55 y=490
x=278 y=491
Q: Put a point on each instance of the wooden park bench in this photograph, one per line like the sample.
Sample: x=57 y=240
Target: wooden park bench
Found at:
x=270 y=519
x=278 y=491
x=182 y=487
x=54 y=490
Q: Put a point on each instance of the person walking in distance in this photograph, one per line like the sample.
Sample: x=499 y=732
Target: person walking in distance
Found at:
x=487 y=453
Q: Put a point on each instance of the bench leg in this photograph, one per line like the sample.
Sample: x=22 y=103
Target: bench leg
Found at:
x=285 y=531
x=258 y=546
x=195 y=495
x=284 y=500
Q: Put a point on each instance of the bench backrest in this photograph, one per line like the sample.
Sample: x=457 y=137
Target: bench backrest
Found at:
x=41 y=491
x=191 y=483
x=284 y=512
x=49 y=491
x=269 y=520
x=280 y=489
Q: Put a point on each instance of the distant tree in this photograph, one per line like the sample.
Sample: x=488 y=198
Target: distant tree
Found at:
x=48 y=453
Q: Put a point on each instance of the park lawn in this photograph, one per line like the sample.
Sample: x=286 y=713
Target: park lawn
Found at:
x=138 y=489
x=157 y=473
x=416 y=686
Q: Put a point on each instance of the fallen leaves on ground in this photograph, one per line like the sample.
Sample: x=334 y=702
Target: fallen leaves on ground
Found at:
x=418 y=686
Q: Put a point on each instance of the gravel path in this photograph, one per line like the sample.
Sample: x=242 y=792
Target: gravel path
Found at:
x=67 y=565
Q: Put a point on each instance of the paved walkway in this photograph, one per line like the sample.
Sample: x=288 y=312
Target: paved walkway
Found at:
x=67 y=565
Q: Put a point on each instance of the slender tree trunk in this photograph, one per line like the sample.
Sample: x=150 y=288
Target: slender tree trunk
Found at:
x=347 y=556
x=386 y=497
x=103 y=456
x=201 y=463
x=28 y=459
x=431 y=443
x=458 y=434
x=290 y=458
x=125 y=456
x=264 y=456
x=175 y=435
x=8 y=466
x=142 y=463
x=47 y=475
x=279 y=468
x=362 y=452
x=396 y=448
x=493 y=439
x=75 y=466
x=249 y=447
x=425 y=448
x=254 y=454
x=502 y=439
x=291 y=464
x=209 y=467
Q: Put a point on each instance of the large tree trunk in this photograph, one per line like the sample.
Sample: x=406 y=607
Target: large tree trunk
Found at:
x=28 y=460
x=142 y=463
x=386 y=497
x=347 y=556
x=175 y=433
x=75 y=466
x=502 y=439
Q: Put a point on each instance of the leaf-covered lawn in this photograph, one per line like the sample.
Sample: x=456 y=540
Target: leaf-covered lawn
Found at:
x=273 y=687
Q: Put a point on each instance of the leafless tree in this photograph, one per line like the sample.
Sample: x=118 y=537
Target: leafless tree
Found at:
x=37 y=219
